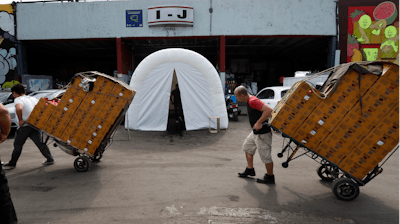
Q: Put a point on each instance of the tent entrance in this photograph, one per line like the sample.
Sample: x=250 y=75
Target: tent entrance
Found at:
x=176 y=121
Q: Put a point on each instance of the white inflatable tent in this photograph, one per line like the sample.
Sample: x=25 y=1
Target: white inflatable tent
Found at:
x=199 y=83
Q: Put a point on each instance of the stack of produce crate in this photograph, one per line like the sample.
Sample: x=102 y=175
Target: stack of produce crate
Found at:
x=354 y=127
x=83 y=118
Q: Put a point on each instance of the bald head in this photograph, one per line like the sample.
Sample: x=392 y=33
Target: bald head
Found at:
x=241 y=94
x=241 y=90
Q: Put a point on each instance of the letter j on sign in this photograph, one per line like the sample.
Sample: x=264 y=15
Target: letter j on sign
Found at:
x=134 y=18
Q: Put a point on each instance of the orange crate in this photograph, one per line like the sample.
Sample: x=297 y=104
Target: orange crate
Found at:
x=331 y=154
x=381 y=139
x=364 y=159
x=328 y=114
x=372 y=149
x=358 y=123
x=76 y=91
x=391 y=71
x=287 y=119
x=310 y=134
x=336 y=141
x=387 y=88
x=103 y=85
x=120 y=91
x=344 y=99
x=353 y=168
x=370 y=113
x=377 y=100
x=303 y=98
x=350 y=82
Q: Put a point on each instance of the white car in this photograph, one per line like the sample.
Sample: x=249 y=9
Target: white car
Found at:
x=50 y=94
x=272 y=95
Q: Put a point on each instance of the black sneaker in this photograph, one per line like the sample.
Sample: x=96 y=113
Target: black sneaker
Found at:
x=48 y=162
x=268 y=179
x=8 y=166
x=248 y=172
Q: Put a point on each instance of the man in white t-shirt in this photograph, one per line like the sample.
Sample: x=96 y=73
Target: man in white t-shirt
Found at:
x=23 y=108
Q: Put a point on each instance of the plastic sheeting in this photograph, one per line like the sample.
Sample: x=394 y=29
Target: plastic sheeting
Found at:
x=199 y=83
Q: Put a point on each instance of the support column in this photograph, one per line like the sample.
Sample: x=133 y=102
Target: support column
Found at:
x=222 y=61
x=119 y=56
x=124 y=60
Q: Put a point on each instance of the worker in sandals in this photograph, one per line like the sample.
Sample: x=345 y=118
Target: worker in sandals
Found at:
x=259 y=138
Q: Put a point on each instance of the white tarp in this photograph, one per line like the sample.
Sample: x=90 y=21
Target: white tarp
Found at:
x=199 y=84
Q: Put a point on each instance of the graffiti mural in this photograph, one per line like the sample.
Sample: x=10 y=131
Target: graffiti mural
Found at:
x=8 y=52
x=373 y=32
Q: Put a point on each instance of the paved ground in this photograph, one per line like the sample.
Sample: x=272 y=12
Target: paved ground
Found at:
x=189 y=177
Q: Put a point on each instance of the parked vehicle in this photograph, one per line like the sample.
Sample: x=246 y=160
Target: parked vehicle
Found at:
x=232 y=107
x=6 y=97
x=317 y=81
x=49 y=94
x=272 y=95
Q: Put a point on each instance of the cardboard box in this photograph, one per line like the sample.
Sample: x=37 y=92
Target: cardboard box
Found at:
x=364 y=159
x=344 y=99
x=101 y=127
x=339 y=142
x=379 y=138
x=390 y=124
x=370 y=113
x=353 y=168
x=76 y=91
x=377 y=100
x=387 y=88
x=287 y=119
x=303 y=98
x=310 y=134
x=89 y=142
x=350 y=82
x=103 y=85
x=77 y=83
x=333 y=155
x=358 y=123
x=350 y=134
x=121 y=91
x=81 y=118
x=41 y=113
x=92 y=102
x=369 y=147
x=328 y=114
x=391 y=71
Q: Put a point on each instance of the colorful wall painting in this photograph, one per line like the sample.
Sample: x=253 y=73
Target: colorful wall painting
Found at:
x=8 y=52
x=373 y=32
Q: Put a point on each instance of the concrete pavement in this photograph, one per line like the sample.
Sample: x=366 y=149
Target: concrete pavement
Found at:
x=188 y=177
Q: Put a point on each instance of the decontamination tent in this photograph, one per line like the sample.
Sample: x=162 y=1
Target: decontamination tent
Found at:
x=199 y=83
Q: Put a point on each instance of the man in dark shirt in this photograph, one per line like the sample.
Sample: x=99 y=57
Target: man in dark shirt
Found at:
x=176 y=101
x=260 y=138
x=7 y=211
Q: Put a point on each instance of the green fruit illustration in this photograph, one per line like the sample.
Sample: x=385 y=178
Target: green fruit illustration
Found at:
x=370 y=54
x=390 y=31
x=365 y=21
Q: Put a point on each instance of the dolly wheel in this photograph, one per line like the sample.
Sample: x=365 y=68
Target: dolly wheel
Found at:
x=345 y=189
x=97 y=157
x=280 y=155
x=285 y=165
x=81 y=164
x=325 y=173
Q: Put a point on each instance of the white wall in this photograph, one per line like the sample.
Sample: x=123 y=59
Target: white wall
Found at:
x=106 y=19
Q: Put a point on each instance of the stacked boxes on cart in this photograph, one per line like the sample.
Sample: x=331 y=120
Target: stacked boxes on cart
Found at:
x=352 y=134
x=82 y=119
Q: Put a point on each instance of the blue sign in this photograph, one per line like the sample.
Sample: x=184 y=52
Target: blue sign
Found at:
x=134 y=18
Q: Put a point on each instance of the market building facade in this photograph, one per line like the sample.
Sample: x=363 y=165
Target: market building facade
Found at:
x=258 y=41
